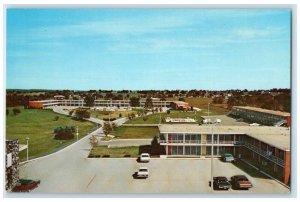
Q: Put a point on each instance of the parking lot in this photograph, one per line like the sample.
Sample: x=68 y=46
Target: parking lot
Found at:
x=182 y=176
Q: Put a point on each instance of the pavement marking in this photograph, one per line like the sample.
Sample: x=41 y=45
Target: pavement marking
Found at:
x=90 y=181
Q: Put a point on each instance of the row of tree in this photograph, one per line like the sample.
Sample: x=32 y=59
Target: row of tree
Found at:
x=281 y=102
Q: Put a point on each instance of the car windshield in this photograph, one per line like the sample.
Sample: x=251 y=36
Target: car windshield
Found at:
x=228 y=155
x=143 y=170
x=145 y=155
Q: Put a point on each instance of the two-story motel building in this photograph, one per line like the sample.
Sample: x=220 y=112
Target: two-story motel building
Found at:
x=265 y=147
x=40 y=104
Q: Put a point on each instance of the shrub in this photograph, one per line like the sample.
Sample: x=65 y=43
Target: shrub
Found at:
x=120 y=115
x=82 y=113
x=7 y=112
x=66 y=133
x=16 y=111
x=56 y=118
x=71 y=113
x=111 y=119
x=168 y=111
x=145 y=118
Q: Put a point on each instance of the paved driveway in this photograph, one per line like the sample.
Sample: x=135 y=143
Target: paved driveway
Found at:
x=78 y=174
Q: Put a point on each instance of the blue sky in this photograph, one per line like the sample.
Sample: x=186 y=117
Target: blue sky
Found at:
x=147 y=49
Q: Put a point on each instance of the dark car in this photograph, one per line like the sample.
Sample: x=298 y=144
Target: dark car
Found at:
x=26 y=185
x=221 y=182
x=240 y=182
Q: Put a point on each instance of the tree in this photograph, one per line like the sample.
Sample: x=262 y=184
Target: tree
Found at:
x=155 y=147
x=89 y=101
x=66 y=133
x=71 y=113
x=218 y=100
x=148 y=103
x=181 y=99
x=82 y=113
x=107 y=128
x=93 y=141
x=134 y=101
x=113 y=126
x=16 y=111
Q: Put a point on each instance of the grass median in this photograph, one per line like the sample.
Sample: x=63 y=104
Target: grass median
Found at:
x=134 y=132
x=118 y=152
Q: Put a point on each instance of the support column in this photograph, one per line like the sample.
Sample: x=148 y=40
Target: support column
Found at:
x=287 y=167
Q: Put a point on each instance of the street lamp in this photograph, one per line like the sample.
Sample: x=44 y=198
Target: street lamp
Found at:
x=77 y=132
x=27 y=139
x=212 y=154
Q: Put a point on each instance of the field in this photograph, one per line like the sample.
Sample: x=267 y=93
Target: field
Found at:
x=38 y=125
x=127 y=132
x=114 y=152
x=111 y=114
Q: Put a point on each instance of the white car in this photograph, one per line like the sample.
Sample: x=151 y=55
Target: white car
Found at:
x=144 y=157
x=143 y=172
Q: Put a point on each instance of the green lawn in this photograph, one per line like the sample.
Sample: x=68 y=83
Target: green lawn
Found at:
x=111 y=114
x=128 y=132
x=38 y=125
x=114 y=152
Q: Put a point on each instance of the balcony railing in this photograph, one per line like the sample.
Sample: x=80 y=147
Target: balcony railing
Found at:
x=264 y=154
x=200 y=142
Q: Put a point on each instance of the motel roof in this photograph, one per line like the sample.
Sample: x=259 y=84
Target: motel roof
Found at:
x=179 y=102
x=278 y=137
x=267 y=111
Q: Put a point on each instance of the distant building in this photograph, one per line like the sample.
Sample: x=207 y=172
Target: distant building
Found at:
x=179 y=105
x=59 y=97
x=262 y=116
x=11 y=164
x=40 y=104
x=266 y=147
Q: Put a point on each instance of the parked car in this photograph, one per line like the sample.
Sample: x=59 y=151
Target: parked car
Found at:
x=227 y=157
x=254 y=124
x=143 y=172
x=221 y=182
x=144 y=157
x=26 y=185
x=240 y=182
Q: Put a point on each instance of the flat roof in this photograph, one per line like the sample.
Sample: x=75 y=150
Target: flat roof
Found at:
x=226 y=120
x=267 y=111
x=179 y=102
x=278 y=137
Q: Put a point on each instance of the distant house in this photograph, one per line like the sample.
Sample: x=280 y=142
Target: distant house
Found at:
x=179 y=105
x=59 y=97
